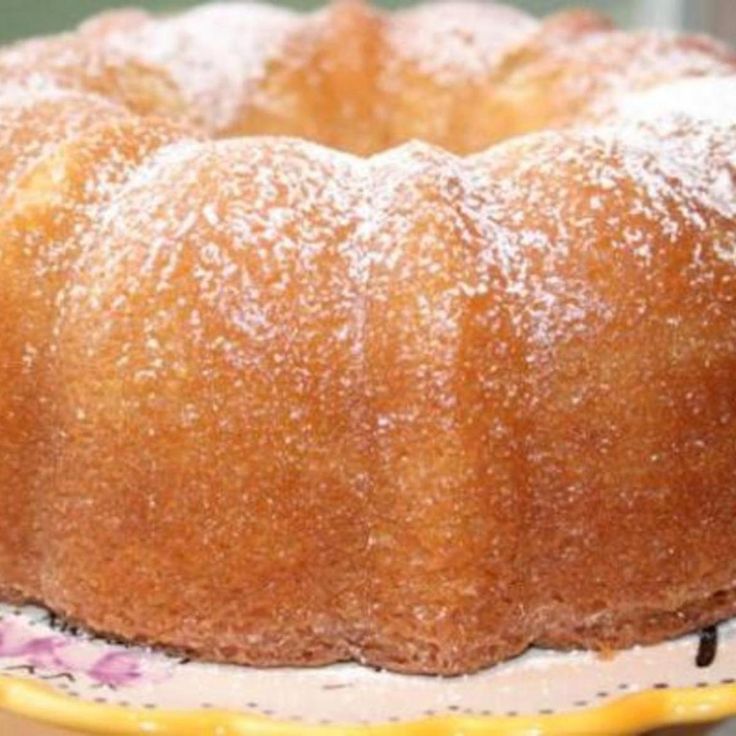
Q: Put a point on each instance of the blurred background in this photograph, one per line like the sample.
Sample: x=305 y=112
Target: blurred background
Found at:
x=20 y=18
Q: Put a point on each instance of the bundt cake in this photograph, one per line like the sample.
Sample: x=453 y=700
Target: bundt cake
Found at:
x=273 y=403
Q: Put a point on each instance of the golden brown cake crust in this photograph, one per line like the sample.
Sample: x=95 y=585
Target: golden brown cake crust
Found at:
x=271 y=403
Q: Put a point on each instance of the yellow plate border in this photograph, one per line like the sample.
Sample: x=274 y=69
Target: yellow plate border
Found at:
x=630 y=714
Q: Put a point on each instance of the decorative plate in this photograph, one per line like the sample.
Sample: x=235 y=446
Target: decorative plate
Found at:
x=68 y=678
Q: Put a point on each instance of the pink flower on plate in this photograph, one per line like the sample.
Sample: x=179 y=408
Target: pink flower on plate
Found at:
x=43 y=652
x=116 y=669
x=103 y=665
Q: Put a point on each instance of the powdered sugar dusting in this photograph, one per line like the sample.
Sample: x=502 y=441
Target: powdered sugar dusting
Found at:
x=67 y=60
x=215 y=53
x=687 y=128
x=595 y=69
x=36 y=117
x=710 y=99
x=457 y=41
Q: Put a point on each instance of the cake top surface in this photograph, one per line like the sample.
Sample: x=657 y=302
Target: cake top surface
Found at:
x=247 y=67
x=218 y=54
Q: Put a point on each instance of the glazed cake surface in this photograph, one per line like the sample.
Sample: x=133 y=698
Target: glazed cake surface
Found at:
x=405 y=338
